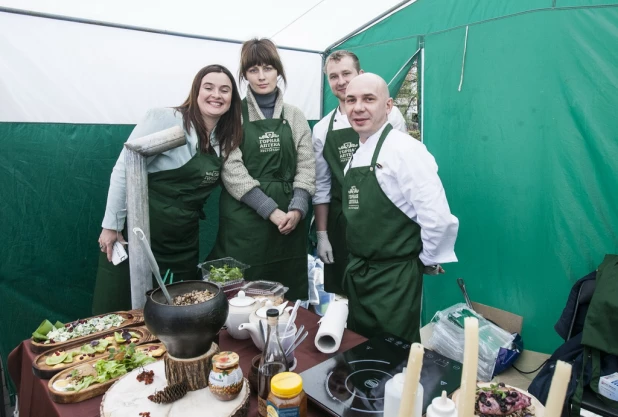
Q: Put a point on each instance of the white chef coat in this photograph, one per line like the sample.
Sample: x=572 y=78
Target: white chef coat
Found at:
x=409 y=178
x=322 y=171
x=154 y=121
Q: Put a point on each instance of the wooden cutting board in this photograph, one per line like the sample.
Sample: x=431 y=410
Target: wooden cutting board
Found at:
x=69 y=397
x=539 y=409
x=128 y=397
x=45 y=371
x=132 y=318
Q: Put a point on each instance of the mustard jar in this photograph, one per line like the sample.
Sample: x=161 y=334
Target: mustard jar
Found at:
x=225 y=379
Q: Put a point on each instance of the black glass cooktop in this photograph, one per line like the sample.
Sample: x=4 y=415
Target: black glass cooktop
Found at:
x=351 y=384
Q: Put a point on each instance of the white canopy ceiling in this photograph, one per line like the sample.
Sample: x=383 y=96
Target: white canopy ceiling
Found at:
x=306 y=24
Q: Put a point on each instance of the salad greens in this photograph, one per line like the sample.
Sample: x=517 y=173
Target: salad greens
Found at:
x=120 y=361
x=224 y=274
x=48 y=333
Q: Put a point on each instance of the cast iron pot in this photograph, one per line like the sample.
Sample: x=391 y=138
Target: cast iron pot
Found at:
x=186 y=331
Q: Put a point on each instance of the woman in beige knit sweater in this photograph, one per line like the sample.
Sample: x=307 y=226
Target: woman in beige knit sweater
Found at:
x=268 y=180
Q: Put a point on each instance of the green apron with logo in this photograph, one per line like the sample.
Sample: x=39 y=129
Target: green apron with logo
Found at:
x=383 y=278
x=339 y=146
x=176 y=200
x=270 y=156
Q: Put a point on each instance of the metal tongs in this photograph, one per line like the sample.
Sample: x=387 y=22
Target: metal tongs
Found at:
x=462 y=286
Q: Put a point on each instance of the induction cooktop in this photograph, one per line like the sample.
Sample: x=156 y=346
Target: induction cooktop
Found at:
x=351 y=384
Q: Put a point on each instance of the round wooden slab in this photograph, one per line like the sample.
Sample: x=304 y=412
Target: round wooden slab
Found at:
x=128 y=397
x=539 y=409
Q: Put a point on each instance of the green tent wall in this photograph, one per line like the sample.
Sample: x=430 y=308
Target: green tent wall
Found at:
x=527 y=150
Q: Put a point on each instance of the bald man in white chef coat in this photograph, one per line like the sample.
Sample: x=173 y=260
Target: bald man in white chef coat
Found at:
x=399 y=224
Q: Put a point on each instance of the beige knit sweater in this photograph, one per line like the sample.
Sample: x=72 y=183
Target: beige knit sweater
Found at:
x=234 y=174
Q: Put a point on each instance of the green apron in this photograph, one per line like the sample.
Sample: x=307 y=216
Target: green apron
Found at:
x=599 y=336
x=383 y=278
x=270 y=156
x=339 y=146
x=176 y=200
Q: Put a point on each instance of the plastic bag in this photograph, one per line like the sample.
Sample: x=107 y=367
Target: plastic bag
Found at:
x=448 y=338
x=317 y=296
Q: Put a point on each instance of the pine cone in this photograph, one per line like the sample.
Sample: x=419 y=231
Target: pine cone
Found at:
x=170 y=393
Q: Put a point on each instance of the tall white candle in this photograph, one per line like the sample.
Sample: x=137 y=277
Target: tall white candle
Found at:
x=467 y=392
x=558 y=389
x=410 y=384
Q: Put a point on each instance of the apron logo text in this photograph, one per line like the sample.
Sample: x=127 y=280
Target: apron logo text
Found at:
x=346 y=151
x=269 y=142
x=210 y=178
x=353 y=198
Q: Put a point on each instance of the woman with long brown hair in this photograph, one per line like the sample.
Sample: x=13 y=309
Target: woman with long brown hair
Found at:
x=179 y=183
x=268 y=179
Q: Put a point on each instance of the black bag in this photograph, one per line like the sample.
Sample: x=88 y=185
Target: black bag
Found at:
x=594 y=351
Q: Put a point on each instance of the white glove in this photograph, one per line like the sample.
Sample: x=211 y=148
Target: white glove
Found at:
x=325 y=250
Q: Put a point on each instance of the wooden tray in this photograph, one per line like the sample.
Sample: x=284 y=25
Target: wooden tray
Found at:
x=128 y=397
x=132 y=318
x=69 y=397
x=45 y=371
x=539 y=409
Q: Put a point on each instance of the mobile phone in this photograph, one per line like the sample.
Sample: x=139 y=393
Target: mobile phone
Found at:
x=119 y=254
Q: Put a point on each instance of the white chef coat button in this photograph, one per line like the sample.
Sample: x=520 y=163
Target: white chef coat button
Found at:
x=284 y=122
x=370 y=168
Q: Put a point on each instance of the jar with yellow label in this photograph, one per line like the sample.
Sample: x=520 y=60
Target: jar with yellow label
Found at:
x=286 y=398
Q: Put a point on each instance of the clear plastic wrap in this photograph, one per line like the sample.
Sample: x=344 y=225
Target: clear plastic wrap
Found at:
x=448 y=338
x=319 y=298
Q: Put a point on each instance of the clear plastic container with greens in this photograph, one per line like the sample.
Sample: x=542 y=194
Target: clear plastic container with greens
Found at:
x=228 y=273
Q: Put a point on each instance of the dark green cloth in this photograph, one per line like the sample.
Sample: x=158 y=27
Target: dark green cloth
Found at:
x=383 y=278
x=339 y=146
x=176 y=200
x=270 y=156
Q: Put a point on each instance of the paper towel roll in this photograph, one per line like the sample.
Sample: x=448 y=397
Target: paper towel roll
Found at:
x=332 y=325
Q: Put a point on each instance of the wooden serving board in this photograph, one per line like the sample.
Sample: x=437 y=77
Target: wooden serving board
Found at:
x=539 y=409
x=132 y=318
x=69 y=397
x=128 y=397
x=45 y=371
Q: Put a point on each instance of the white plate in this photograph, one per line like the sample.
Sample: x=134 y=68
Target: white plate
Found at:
x=539 y=409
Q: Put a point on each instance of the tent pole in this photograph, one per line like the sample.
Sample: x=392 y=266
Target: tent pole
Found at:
x=366 y=25
x=422 y=106
x=136 y=28
x=322 y=75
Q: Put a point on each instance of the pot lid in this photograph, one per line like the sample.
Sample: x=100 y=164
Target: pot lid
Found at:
x=225 y=360
x=241 y=300
x=261 y=312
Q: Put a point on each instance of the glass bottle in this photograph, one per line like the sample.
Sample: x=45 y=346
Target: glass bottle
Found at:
x=273 y=360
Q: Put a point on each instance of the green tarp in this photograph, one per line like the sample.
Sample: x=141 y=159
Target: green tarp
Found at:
x=54 y=189
x=527 y=150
